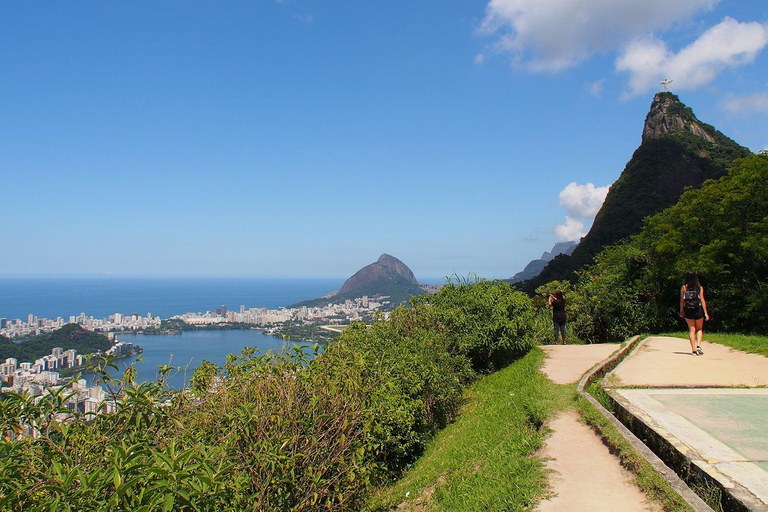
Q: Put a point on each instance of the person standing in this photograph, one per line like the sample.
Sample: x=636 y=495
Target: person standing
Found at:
x=557 y=301
x=693 y=307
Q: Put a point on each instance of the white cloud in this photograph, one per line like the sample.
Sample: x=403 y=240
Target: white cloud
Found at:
x=571 y=229
x=596 y=88
x=305 y=18
x=479 y=58
x=727 y=44
x=583 y=201
x=552 y=35
x=757 y=102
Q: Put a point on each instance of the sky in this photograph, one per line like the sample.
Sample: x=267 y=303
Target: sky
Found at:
x=295 y=138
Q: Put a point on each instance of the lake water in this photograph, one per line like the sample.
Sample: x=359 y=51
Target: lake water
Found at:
x=189 y=349
x=52 y=298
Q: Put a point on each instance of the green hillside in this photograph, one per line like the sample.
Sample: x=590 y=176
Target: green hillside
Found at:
x=71 y=336
x=678 y=151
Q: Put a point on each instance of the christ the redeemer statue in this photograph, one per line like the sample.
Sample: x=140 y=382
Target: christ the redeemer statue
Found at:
x=666 y=83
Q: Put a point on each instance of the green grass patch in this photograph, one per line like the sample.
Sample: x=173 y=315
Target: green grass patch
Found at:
x=752 y=344
x=647 y=478
x=485 y=459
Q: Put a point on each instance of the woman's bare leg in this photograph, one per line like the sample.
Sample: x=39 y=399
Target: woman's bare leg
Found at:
x=691 y=333
x=699 y=331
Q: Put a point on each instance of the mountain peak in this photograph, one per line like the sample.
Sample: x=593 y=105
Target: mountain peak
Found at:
x=669 y=115
x=385 y=266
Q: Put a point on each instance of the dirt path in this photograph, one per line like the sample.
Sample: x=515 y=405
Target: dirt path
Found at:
x=567 y=363
x=585 y=476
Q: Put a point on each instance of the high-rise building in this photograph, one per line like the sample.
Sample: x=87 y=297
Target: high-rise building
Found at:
x=3 y=323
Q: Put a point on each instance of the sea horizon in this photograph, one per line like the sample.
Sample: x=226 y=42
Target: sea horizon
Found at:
x=163 y=297
x=100 y=297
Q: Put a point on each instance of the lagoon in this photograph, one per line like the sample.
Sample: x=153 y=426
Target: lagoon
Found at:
x=188 y=350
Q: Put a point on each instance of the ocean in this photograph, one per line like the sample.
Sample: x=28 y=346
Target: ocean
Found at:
x=101 y=297
x=52 y=298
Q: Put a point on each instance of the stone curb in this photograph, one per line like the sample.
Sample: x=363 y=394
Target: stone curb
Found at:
x=600 y=370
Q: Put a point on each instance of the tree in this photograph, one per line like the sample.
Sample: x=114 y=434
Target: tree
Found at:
x=720 y=232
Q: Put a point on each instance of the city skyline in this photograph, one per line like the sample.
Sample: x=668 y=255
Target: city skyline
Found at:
x=290 y=139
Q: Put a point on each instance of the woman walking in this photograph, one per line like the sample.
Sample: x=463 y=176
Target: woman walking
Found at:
x=557 y=302
x=693 y=307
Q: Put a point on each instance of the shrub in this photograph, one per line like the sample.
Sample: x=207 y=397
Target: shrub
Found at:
x=289 y=431
x=486 y=321
x=413 y=386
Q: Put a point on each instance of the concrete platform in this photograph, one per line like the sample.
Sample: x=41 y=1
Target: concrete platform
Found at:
x=721 y=431
x=701 y=407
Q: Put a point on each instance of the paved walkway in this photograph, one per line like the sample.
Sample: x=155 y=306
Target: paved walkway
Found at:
x=667 y=362
x=711 y=408
x=585 y=476
x=567 y=363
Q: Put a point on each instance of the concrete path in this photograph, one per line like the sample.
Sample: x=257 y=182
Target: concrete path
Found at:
x=713 y=409
x=667 y=362
x=585 y=476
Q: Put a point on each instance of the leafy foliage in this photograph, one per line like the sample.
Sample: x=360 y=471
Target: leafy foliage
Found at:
x=719 y=231
x=297 y=430
x=486 y=321
x=71 y=336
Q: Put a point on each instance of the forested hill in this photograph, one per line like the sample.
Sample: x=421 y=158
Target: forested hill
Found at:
x=71 y=336
x=677 y=151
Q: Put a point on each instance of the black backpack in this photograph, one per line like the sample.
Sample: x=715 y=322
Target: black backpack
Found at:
x=691 y=299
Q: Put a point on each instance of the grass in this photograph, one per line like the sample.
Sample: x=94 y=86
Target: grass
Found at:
x=485 y=460
x=752 y=344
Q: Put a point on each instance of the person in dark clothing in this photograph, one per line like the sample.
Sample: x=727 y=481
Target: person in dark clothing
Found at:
x=557 y=302
x=693 y=307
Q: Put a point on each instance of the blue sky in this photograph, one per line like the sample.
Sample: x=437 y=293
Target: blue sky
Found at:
x=297 y=138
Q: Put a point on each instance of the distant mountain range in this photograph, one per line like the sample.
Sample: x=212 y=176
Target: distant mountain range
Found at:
x=677 y=151
x=386 y=277
x=533 y=268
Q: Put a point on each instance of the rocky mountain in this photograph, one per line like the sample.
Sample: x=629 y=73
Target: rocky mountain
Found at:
x=388 y=276
x=533 y=268
x=385 y=267
x=677 y=151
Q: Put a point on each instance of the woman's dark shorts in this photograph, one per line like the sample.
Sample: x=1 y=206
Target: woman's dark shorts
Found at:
x=694 y=314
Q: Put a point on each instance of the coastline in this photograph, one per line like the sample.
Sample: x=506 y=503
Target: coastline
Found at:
x=75 y=370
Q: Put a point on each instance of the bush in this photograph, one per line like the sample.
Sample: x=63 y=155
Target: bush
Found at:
x=489 y=322
x=413 y=386
x=289 y=431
